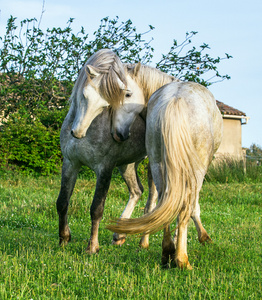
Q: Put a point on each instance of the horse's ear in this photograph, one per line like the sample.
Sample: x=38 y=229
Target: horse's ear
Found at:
x=91 y=71
x=137 y=68
x=134 y=69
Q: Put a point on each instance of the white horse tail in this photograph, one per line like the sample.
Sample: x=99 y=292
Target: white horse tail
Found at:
x=180 y=165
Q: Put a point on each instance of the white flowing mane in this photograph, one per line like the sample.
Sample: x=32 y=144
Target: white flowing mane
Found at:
x=111 y=70
x=149 y=79
x=106 y=63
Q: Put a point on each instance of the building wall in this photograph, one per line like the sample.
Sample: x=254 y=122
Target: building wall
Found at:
x=231 y=144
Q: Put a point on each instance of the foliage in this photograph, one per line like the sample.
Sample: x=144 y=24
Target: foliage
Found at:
x=255 y=150
x=34 y=267
x=193 y=64
x=31 y=145
x=254 y=153
x=37 y=71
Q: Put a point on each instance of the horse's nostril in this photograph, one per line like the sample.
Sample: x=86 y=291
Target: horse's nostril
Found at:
x=74 y=135
x=119 y=137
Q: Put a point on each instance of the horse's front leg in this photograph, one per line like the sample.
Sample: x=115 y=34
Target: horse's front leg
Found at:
x=69 y=175
x=97 y=209
x=129 y=174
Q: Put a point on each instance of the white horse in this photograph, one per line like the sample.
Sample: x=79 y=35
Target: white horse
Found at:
x=183 y=131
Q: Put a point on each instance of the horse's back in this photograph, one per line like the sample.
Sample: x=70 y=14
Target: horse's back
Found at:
x=199 y=111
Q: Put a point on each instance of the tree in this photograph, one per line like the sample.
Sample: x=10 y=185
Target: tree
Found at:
x=193 y=64
x=255 y=151
x=38 y=69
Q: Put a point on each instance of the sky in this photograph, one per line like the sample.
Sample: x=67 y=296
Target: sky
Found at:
x=227 y=26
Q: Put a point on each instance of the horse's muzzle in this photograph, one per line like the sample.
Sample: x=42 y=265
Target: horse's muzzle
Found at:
x=118 y=137
x=76 y=135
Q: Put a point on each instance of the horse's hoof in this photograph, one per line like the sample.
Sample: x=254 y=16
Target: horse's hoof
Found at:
x=205 y=238
x=167 y=261
x=92 y=248
x=183 y=265
x=119 y=242
x=168 y=252
x=118 y=239
x=63 y=241
x=144 y=243
x=168 y=258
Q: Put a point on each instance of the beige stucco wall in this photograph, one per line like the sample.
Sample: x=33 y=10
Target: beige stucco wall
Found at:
x=231 y=144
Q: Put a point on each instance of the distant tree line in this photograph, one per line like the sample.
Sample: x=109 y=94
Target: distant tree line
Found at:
x=254 y=153
x=38 y=70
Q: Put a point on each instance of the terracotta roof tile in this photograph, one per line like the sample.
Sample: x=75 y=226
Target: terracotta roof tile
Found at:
x=229 y=110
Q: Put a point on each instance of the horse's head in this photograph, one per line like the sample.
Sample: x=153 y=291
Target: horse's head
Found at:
x=89 y=104
x=132 y=105
x=101 y=83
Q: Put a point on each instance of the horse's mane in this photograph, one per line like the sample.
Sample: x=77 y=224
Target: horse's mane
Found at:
x=108 y=64
x=149 y=79
x=113 y=72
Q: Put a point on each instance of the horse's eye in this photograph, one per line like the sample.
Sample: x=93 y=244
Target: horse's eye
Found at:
x=128 y=95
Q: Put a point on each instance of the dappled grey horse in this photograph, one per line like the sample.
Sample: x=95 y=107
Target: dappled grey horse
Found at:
x=86 y=139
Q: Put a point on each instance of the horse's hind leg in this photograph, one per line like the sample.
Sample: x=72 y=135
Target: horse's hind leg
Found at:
x=129 y=174
x=181 y=257
x=203 y=237
x=150 y=205
x=69 y=175
x=168 y=248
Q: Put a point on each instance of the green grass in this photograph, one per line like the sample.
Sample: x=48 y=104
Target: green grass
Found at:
x=231 y=170
x=32 y=266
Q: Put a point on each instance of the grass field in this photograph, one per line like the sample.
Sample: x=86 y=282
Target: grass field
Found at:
x=32 y=266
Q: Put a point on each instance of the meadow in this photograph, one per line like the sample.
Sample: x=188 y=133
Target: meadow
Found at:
x=33 y=266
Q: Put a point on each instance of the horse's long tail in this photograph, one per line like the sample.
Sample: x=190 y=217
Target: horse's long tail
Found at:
x=180 y=164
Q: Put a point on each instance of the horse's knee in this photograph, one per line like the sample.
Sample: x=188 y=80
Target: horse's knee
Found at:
x=96 y=212
x=61 y=206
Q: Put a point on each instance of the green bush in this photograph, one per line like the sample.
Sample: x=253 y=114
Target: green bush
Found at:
x=29 y=145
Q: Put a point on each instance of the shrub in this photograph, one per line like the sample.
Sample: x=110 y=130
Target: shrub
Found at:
x=28 y=144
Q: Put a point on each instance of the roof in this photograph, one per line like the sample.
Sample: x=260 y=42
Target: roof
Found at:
x=229 y=110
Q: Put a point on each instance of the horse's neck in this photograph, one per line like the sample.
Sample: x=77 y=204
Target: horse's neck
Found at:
x=151 y=79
